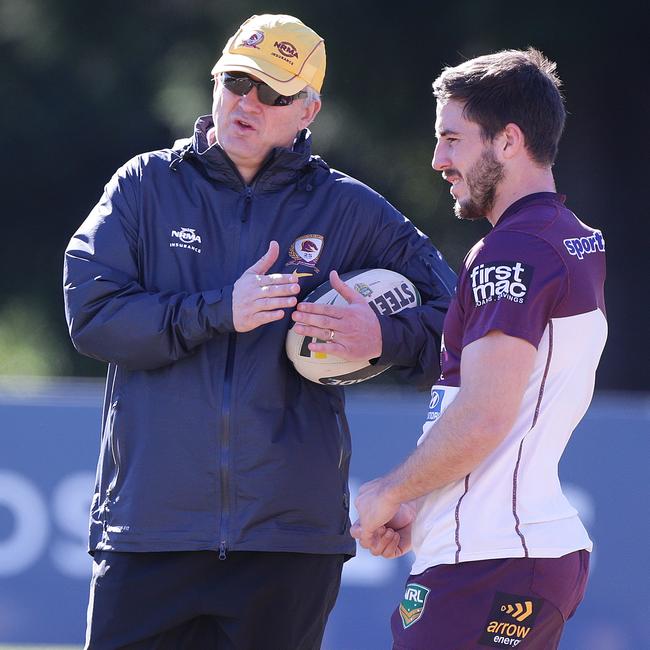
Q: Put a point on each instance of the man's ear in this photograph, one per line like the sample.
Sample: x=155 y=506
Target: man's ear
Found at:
x=511 y=141
x=309 y=113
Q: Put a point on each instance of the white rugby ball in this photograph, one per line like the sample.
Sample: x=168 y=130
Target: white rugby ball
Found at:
x=385 y=291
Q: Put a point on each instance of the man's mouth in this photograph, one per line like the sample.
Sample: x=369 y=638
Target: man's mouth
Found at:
x=452 y=177
x=244 y=124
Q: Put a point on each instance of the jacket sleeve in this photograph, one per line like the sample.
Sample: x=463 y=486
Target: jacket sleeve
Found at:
x=110 y=315
x=411 y=338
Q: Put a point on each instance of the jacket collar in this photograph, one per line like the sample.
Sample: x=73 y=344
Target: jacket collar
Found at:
x=282 y=167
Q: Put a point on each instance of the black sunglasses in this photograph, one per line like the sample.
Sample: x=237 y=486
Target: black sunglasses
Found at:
x=241 y=84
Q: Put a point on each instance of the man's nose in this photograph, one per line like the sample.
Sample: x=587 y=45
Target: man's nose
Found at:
x=440 y=160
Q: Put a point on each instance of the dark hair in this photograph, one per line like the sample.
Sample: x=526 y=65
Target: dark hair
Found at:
x=512 y=86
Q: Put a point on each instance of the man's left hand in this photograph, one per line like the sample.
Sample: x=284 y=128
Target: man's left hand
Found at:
x=350 y=332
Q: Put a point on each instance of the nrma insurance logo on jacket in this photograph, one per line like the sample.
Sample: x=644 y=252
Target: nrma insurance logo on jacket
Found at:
x=185 y=238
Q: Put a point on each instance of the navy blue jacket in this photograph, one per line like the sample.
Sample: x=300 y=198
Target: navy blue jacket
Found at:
x=210 y=439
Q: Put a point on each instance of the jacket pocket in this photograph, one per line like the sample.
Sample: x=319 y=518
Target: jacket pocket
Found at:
x=345 y=452
x=115 y=451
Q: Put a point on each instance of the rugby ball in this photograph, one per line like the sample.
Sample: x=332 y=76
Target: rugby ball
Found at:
x=385 y=291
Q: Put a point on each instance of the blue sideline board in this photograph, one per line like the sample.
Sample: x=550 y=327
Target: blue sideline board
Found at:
x=48 y=446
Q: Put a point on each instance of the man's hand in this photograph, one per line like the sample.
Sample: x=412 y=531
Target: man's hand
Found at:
x=351 y=331
x=376 y=509
x=392 y=540
x=258 y=299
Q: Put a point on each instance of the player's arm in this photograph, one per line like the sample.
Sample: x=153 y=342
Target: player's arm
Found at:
x=495 y=370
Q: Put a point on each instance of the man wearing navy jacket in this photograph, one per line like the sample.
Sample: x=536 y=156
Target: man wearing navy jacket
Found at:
x=220 y=513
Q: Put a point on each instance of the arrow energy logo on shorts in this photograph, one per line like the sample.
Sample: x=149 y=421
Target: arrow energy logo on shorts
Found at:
x=510 y=621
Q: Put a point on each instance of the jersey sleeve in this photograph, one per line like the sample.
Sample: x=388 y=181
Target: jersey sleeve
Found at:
x=513 y=283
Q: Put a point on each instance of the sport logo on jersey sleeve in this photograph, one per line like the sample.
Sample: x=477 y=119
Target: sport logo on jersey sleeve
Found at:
x=500 y=281
x=581 y=246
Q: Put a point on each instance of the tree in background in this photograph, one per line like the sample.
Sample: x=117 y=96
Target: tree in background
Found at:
x=85 y=86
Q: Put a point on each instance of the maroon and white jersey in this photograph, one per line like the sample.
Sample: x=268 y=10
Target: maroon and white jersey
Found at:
x=539 y=276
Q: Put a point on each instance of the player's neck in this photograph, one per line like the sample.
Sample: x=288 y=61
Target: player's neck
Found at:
x=515 y=186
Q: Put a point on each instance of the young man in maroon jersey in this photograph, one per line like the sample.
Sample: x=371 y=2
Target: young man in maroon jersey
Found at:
x=501 y=557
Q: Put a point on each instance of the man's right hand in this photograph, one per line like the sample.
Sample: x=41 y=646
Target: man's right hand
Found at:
x=393 y=539
x=257 y=298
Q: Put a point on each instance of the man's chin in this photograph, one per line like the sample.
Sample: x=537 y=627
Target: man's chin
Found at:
x=468 y=211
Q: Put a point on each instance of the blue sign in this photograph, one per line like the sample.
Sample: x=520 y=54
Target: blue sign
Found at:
x=49 y=440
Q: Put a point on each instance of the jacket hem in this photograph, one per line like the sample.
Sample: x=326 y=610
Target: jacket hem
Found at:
x=275 y=545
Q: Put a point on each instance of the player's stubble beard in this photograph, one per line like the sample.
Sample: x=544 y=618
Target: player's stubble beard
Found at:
x=481 y=180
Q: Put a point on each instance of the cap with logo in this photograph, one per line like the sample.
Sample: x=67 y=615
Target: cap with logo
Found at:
x=278 y=49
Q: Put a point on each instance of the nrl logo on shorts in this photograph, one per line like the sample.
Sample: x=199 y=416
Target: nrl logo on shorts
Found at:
x=412 y=605
x=306 y=250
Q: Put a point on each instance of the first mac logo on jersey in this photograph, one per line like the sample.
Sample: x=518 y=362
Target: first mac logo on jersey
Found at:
x=500 y=281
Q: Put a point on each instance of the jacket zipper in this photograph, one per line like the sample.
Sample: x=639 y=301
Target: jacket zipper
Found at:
x=225 y=447
x=227 y=397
